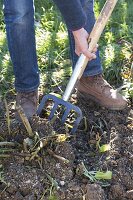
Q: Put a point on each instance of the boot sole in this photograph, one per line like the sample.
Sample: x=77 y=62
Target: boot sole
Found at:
x=90 y=97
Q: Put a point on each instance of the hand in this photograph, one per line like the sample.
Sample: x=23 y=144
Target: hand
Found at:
x=81 y=44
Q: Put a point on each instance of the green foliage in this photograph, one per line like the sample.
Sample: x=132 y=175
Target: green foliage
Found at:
x=6 y=70
x=53 y=47
x=1 y=15
x=103 y=148
x=115 y=43
x=103 y=175
x=95 y=176
x=52 y=198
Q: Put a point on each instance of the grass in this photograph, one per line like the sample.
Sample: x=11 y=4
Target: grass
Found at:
x=53 y=46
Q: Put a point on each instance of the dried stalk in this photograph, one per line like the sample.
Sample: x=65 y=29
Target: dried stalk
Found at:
x=10 y=144
x=5 y=155
x=57 y=156
x=25 y=120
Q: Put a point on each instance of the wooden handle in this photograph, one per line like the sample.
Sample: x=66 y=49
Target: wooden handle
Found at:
x=96 y=32
x=100 y=23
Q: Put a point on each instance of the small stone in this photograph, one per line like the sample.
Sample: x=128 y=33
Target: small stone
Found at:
x=62 y=183
x=28 y=181
x=129 y=194
x=96 y=113
x=58 y=165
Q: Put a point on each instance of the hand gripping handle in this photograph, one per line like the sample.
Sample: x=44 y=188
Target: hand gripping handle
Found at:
x=92 y=40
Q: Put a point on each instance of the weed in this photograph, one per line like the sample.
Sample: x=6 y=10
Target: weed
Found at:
x=95 y=176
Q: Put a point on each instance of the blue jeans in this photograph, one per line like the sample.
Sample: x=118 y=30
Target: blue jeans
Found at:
x=19 y=20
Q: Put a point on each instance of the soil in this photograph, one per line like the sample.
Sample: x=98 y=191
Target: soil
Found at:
x=52 y=169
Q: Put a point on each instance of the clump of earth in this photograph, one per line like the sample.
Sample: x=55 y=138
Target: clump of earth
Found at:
x=45 y=167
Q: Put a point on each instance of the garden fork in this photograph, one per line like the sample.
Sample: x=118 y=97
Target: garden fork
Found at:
x=78 y=71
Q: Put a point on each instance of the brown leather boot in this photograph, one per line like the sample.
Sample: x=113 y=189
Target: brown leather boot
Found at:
x=28 y=101
x=97 y=89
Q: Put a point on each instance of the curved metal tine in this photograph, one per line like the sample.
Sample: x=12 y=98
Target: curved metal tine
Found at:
x=65 y=115
x=76 y=124
x=53 y=110
x=41 y=106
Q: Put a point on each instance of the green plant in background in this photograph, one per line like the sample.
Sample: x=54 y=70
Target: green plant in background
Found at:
x=115 y=44
x=127 y=88
x=53 y=49
x=1 y=15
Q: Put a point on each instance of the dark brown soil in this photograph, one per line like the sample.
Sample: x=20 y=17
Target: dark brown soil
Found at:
x=49 y=175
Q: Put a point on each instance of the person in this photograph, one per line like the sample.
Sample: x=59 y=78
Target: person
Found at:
x=79 y=18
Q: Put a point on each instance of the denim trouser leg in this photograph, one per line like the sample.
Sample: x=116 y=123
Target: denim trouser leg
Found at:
x=93 y=67
x=19 y=19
